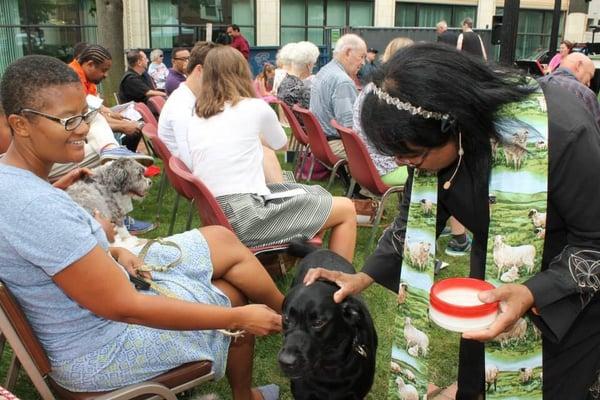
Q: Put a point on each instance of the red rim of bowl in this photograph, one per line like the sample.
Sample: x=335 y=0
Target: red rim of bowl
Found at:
x=461 y=311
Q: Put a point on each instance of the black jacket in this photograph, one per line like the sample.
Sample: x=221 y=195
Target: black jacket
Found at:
x=573 y=223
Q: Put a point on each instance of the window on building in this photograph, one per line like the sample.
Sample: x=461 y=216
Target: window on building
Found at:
x=49 y=27
x=589 y=25
x=427 y=15
x=183 y=22
x=534 y=31
x=306 y=19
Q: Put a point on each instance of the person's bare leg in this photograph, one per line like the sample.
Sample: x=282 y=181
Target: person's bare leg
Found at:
x=234 y=263
x=342 y=222
x=241 y=351
x=456 y=227
x=271 y=166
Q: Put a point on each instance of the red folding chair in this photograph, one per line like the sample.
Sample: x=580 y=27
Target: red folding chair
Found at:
x=156 y=104
x=300 y=136
x=147 y=115
x=318 y=143
x=181 y=188
x=364 y=172
x=210 y=211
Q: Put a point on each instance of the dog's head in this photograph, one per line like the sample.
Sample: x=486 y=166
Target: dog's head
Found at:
x=124 y=176
x=317 y=331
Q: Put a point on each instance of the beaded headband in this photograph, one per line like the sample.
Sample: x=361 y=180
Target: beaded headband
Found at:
x=406 y=106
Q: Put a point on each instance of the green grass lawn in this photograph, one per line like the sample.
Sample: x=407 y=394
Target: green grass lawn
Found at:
x=381 y=302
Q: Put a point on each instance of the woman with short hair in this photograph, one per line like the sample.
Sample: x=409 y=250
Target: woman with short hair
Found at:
x=157 y=68
x=226 y=137
x=98 y=331
x=295 y=87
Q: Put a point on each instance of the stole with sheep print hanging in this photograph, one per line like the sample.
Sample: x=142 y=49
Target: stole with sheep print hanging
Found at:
x=424 y=353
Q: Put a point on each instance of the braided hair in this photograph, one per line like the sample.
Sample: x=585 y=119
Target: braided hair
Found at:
x=94 y=53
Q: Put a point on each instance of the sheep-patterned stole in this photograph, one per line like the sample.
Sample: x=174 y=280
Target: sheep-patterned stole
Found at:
x=425 y=356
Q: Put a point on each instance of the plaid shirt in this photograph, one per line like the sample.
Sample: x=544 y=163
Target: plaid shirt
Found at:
x=332 y=96
x=564 y=78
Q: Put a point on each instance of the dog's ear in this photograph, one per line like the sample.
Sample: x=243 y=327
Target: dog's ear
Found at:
x=351 y=311
x=119 y=175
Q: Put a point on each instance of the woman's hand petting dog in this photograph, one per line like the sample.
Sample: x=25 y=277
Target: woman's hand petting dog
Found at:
x=129 y=261
x=71 y=177
x=348 y=283
x=258 y=319
x=108 y=227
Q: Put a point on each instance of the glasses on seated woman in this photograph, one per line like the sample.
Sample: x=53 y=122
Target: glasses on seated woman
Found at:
x=71 y=123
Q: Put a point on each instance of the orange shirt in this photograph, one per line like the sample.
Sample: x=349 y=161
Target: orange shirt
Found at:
x=90 y=88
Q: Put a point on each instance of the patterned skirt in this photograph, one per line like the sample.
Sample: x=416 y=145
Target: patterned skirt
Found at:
x=140 y=352
x=261 y=222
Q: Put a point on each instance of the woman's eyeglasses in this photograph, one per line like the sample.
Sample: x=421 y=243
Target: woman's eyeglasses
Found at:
x=71 y=123
x=410 y=161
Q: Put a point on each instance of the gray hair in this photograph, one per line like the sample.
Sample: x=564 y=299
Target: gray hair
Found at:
x=284 y=55
x=303 y=54
x=441 y=25
x=348 y=41
x=154 y=54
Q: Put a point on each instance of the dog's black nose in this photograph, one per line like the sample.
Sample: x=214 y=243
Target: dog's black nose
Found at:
x=289 y=361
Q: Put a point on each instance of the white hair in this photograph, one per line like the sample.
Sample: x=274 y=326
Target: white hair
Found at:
x=284 y=55
x=154 y=54
x=303 y=54
x=348 y=41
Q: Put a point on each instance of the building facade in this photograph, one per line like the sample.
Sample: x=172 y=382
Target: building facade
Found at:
x=54 y=26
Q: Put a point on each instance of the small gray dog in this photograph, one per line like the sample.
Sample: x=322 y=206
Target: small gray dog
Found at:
x=110 y=189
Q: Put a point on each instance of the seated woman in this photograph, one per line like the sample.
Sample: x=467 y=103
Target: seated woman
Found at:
x=263 y=84
x=225 y=139
x=75 y=290
x=295 y=87
x=391 y=174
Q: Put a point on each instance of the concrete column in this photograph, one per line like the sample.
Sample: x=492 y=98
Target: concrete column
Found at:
x=575 y=27
x=485 y=12
x=384 y=13
x=136 y=26
x=267 y=22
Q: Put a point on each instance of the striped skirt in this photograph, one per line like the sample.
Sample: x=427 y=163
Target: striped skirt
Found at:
x=260 y=222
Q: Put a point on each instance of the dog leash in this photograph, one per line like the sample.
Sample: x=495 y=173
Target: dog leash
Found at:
x=145 y=283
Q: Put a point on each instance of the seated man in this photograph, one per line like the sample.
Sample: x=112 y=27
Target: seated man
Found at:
x=92 y=65
x=176 y=76
x=333 y=91
x=136 y=85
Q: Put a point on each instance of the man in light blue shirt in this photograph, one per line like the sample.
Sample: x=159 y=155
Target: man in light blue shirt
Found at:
x=333 y=89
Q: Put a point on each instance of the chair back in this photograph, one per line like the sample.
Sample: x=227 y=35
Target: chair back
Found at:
x=316 y=138
x=297 y=129
x=209 y=210
x=156 y=104
x=18 y=321
x=147 y=115
x=25 y=345
x=362 y=168
x=165 y=155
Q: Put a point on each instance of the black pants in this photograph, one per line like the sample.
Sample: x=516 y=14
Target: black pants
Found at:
x=131 y=141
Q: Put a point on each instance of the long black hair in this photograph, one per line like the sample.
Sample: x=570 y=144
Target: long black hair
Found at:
x=439 y=78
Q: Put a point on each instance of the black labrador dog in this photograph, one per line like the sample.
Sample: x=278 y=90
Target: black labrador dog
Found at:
x=328 y=349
